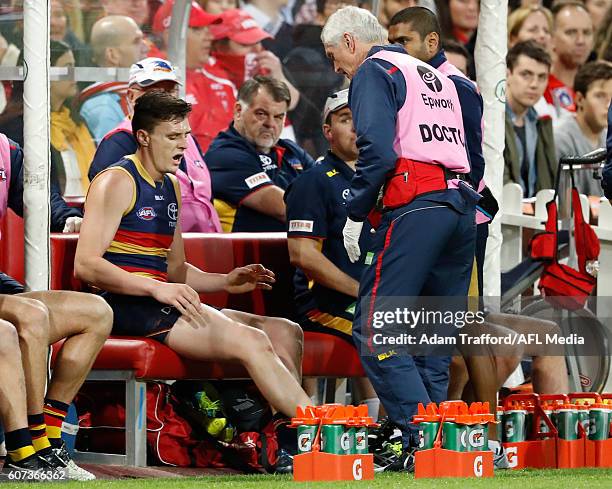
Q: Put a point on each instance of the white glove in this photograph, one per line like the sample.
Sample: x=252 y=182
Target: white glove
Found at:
x=351 y=233
x=73 y=225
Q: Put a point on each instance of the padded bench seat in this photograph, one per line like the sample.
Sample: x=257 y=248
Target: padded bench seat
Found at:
x=324 y=356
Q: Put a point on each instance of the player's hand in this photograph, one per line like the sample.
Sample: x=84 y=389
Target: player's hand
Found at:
x=248 y=278
x=72 y=224
x=181 y=296
x=351 y=233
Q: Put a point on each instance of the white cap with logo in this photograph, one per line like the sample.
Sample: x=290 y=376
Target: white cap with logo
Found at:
x=149 y=71
x=335 y=102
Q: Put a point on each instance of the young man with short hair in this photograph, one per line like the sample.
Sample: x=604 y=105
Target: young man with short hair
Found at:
x=326 y=282
x=131 y=247
x=529 y=155
x=586 y=132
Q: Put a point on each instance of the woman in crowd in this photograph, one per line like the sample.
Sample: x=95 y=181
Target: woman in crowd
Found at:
x=458 y=19
x=72 y=147
x=530 y=24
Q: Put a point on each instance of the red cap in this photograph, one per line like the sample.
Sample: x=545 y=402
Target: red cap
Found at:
x=240 y=27
x=198 y=17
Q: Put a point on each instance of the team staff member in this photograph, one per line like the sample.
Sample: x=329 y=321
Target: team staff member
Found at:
x=405 y=114
x=250 y=166
x=326 y=282
x=198 y=213
x=418 y=30
x=131 y=247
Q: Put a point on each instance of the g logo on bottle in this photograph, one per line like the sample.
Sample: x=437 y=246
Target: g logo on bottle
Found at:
x=430 y=79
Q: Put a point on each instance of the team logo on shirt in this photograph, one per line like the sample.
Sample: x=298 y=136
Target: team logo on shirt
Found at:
x=146 y=213
x=301 y=226
x=430 y=79
x=257 y=179
x=345 y=193
x=172 y=211
x=266 y=162
x=2 y=174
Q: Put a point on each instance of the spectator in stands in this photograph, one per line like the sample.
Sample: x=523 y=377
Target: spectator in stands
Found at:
x=389 y=8
x=136 y=9
x=531 y=24
x=237 y=49
x=458 y=19
x=208 y=87
x=119 y=43
x=250 y=166
x=72 y=147
x=217 y=7
x=198 y=213
x=155 y=283
x=313 y=76
x=326 y=303
x=457 y=55
x=586 y=132
x=603 y=38
x=572 y=42
x=9 y=106
x=60 y=31
x=529 y=155
x=269 y=16
x=597 y=10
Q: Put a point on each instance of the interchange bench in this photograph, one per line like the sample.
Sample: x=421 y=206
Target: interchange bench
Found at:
x=137 y=360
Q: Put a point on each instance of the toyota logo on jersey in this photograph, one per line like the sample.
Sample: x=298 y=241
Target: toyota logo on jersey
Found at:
x=430 y=79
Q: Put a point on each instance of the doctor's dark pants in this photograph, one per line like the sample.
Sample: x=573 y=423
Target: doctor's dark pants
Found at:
x=425 y=248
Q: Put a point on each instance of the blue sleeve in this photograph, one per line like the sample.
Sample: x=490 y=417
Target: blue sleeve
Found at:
x=471 y=110
x=306 y=217
x=60 y=210
x=15 y=196
x=307 y=160
x=101 y=115
x=606 y=181
x=235 y=174
x=111 y=150
x=376 y=94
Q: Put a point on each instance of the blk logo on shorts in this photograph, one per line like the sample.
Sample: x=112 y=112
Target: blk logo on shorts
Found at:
x=430 y=79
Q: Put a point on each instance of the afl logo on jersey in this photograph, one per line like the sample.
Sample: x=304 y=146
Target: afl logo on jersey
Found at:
x=146 y=213
x=430 y=79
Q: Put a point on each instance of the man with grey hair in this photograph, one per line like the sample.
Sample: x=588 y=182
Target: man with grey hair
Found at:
x=117 y=42
x=411 y=143
x=250 y=166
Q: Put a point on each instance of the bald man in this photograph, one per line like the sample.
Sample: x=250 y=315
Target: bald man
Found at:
x=136 y=9
x=118 y=42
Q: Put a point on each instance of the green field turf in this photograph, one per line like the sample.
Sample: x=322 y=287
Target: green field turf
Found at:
x=523 y=479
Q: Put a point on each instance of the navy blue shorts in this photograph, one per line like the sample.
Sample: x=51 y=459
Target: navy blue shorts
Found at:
x=141 y=316
x=10 y=286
